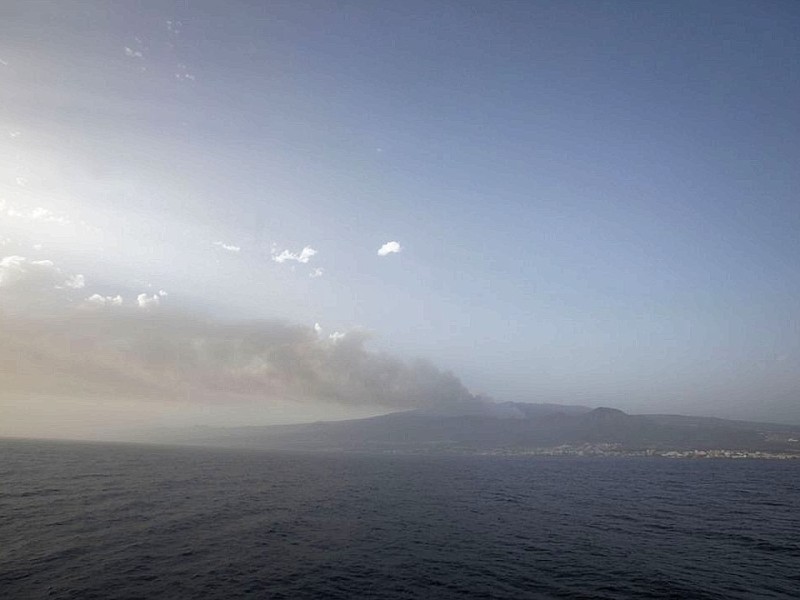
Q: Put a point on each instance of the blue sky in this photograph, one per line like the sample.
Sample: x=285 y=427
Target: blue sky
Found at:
x=597 y=202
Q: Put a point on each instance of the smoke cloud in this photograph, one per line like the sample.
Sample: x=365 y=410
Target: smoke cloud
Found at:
x=135 y=354
x=78 y=363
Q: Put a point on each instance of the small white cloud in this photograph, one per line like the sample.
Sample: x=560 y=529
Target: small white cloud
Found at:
x=304 y=256
x=183 y=73
x=89 y=227
x=37 y=246
x=75 y=282
x=41 y=215
x=162 y=293
x=389 y=248
x=148 y=302
x=317 y=272
x=317 y=328
x=4 y=63
x=44 y=214
x=98 y=300
x=228 y=247
x=14 y=134
x=337 y=336
x=132 y=53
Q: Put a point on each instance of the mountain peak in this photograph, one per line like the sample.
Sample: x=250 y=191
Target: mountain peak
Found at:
x=604 y=412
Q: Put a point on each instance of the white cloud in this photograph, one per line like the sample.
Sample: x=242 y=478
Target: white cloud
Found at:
x=75 y=282
x=44 y=215
x=18 y=271
x=183 y=73
x=41 y=215
x=14 y=134
x=98 y=300
x=132 y=53
x=4 y=63
x=337 y=336
x=304 y=256
x=228 y=247
x=317 y=328
x=317 y=272
x=389 y=248
x=162 y=293
x=147 y=302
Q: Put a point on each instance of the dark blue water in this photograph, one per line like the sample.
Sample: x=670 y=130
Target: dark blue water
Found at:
x=112 y=521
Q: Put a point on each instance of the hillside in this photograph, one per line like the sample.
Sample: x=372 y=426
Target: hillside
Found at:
x=509 y=427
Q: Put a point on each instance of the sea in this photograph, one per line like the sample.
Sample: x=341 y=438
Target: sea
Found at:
x=90 y=520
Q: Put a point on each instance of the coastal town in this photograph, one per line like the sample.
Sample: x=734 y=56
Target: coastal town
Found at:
x=608 y=450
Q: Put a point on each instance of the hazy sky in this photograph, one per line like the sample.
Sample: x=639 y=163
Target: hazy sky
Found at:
x=586 y=202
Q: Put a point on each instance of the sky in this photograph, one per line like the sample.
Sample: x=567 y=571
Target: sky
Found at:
x=575 y=202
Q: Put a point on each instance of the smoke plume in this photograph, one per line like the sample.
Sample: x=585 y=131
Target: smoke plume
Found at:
x=161 y=355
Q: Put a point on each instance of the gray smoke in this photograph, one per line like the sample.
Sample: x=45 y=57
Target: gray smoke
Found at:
x=168 y=356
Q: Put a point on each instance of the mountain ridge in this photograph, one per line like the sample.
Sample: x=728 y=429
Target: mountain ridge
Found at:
x=508 y=427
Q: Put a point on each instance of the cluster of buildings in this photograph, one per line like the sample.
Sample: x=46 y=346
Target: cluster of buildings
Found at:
x=617 y=450
x=728 y=454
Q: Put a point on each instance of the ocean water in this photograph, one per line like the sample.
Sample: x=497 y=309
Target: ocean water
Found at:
x=90 y=521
